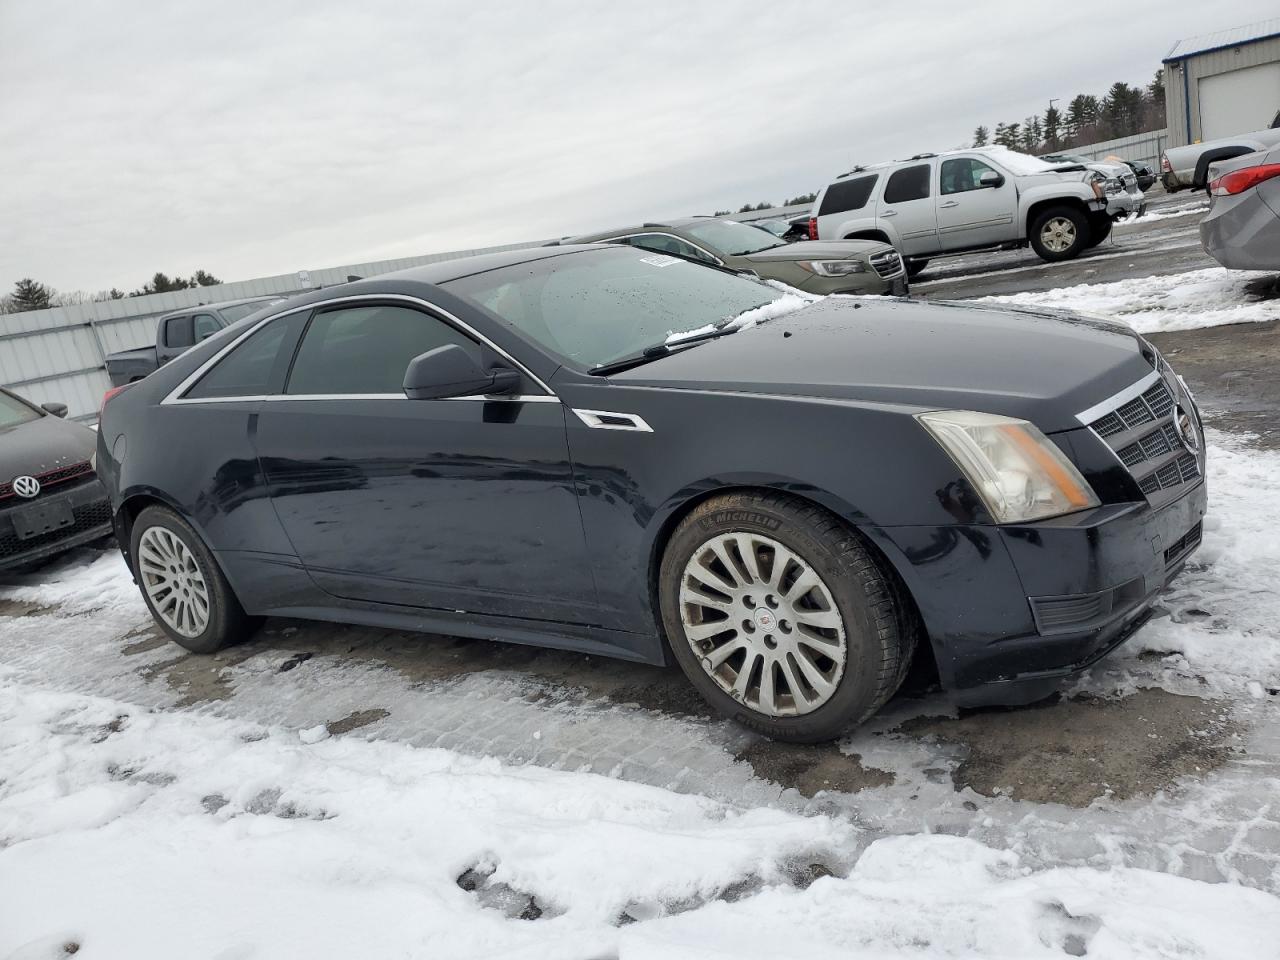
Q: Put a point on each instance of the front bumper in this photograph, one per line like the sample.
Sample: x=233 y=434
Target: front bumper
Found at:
x=91 y=520
x=1012 y=611
x=1125 y=204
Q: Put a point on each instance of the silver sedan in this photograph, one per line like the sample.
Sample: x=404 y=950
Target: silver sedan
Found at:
x=1242 y=228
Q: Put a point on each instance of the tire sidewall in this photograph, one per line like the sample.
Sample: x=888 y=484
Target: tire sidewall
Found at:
x=858 y=689
x=1082 y=234
x=217 y=631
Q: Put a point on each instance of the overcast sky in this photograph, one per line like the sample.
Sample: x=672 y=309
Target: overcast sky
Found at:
x=263 y=137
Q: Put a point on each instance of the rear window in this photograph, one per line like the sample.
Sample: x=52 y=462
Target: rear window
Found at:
x=256 y=366
x=909 y=183
x=847 y=195
x=177 y=332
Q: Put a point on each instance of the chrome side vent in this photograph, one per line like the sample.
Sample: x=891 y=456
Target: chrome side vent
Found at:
x=607 y=420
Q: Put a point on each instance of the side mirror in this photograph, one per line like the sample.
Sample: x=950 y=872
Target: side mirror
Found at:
x=451 y=371
x=56 y=408
x=990 y=179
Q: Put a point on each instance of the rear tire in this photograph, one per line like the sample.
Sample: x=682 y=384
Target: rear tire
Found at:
x=774 y=626
x=182 y=585
x=1059 y=233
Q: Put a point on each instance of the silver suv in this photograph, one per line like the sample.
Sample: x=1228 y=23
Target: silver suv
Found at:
x=962 y=200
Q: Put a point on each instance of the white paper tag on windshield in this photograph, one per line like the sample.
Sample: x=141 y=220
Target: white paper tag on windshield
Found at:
x=659 y=260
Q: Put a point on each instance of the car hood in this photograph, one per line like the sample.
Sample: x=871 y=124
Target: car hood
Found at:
x=38 y=446
x=818 y=250
x=1042 y=367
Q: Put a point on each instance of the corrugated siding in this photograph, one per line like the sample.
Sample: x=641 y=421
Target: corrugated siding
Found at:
x=58 y=354
x=1182 y=82
x=1231 y=37
x=1141 y=146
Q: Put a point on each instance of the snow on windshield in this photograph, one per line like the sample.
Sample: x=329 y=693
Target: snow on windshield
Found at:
x=791 y=300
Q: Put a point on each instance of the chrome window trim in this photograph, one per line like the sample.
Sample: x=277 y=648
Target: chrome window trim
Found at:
x=486 y=397
x=662 y=233
x=594 y=420
x=1087 y=417
x=176 y=395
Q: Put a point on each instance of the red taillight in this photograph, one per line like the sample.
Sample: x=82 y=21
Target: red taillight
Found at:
x=111 y=393
x=1165 y=165
x=1238 y=181
x=813 y=228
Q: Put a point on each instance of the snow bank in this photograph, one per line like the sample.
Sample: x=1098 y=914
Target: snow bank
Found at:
x=139 y=835
x=1183 y=301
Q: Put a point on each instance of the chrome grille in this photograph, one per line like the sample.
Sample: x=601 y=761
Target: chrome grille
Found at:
x=887 y=264
x=1141 y=432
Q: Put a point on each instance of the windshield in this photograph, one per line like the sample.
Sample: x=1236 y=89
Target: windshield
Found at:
x=1020 y=164
x=596 y=306
x=13 y=411
x=732 y=239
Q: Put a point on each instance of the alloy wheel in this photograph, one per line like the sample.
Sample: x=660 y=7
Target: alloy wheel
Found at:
x=173 y=582
x=1058 y=234
x=763 y=624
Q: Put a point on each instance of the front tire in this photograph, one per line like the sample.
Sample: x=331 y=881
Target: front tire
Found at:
x=915 y=268
x=781 y=617
x=1099 y=230
x=182 y=585
x=1059 y=233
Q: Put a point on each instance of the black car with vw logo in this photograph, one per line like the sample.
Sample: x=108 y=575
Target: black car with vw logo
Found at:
x=50 y=497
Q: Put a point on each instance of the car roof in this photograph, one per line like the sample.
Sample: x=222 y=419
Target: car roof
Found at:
x=990 y=151
x=223 y=303
x=460 y=267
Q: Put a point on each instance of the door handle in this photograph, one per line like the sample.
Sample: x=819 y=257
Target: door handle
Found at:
x=889 y=213
x=949 y=203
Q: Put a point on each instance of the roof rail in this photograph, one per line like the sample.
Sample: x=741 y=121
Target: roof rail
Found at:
x=922 y=156
x=858 y=169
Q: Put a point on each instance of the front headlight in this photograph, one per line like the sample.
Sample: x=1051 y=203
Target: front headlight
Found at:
x=833 y=268
x=1020 y=473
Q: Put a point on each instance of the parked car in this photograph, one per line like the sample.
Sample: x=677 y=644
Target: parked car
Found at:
x=935 y=204
x=1143 y=171
x=178 y=332
x=1188 y=166
x=50 y=497
x=518 y=446
x=791 y=229
x=1242 y=228
x=1124 y=197
x=847 y=266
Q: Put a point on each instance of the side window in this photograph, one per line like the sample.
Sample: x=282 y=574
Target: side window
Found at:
x=366 y=349
x=847 y=195
x=177 y=332
x=257 y=365
x=909 y=183
x=962 y=174
x=205 y=326
x=663 y=243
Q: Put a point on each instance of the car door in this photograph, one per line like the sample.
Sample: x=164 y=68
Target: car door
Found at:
x=907 y=203
x=466 y=505
x=970 y=212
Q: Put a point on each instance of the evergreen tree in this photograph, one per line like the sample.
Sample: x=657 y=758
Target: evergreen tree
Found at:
x=1052 y=127
x=29 y=294
x=981 y=136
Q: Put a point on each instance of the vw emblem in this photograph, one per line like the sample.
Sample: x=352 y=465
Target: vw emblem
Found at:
x=1186 y=428
x=26 y=486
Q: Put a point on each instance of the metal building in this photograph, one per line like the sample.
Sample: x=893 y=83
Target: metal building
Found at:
x=1222 y=84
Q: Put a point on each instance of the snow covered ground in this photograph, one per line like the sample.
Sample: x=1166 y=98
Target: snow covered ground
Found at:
x=137 y=829
x=157 y=805
x=1183 y=301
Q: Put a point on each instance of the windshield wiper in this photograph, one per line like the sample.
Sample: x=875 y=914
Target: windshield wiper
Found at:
x=657 y=350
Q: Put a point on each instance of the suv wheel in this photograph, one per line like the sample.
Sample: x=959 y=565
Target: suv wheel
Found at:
x=183 y=588
x=1059 y=233
x=915 y=268
x=781 y=618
